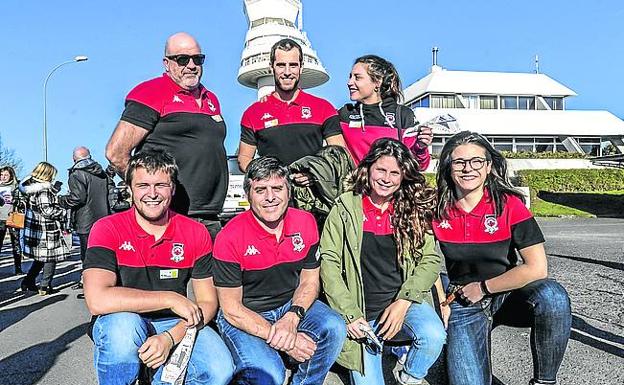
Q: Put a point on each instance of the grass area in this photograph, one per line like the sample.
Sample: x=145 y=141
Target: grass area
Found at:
x=584 y=204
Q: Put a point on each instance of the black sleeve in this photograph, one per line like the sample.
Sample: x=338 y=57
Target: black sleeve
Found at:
x=248 y=136
x=408 y=119
x=331 y=126
x=77 y=195
x=227 y=274
x=312 y=260
x=526 y=233
x=100 y=258
x=203 y=267
x=140 y=115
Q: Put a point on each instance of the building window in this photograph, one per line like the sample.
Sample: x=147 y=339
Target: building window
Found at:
x=444 y=101
x=525 y=144
x=591 y=146
x=437 y=144
x=555 y=103
x=526 y=102
x=509 y=102
x=488 y=102
x=502 y=143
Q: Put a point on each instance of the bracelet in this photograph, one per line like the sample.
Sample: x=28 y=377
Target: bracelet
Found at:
x=484 y=288
x=170 y=337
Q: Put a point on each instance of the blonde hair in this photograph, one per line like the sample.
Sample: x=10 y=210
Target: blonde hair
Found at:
x=44 y=172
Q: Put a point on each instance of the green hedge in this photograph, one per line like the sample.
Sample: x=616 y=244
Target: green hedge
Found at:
x=571 y=180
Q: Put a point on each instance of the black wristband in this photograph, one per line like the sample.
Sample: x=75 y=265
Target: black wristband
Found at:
x=484 y=288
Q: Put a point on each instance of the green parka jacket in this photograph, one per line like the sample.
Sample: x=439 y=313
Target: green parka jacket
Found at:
x=341 y=273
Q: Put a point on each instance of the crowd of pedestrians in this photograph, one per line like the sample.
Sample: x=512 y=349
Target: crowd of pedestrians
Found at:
x=278 y=287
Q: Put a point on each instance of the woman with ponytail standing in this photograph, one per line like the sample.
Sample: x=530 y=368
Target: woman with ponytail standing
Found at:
x=375 y=87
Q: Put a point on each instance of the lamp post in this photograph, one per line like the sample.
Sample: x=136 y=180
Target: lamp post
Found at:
x=45 y=102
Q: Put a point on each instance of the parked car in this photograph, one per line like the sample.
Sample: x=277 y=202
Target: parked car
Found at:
x=236 y=199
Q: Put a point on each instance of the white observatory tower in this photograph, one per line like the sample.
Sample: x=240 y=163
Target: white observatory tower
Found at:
x=270 y=21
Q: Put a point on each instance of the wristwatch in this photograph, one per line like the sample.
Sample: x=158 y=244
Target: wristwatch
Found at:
x=298 y=310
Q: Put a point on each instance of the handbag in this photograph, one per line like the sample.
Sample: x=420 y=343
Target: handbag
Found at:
x=16 y=220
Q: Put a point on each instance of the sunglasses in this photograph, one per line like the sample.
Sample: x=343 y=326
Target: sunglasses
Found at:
x=183 y=60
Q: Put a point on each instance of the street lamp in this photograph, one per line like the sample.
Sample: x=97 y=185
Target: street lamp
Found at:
x=45 y=101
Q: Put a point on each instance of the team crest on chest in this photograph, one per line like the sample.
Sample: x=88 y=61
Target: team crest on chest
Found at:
x=306 y=112
x=491 y=224
x=177 y=252
x=390 y=118
x=297 y=241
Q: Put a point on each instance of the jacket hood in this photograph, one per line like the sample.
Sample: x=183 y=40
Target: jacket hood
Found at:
x=34 y=187
x=89 y=165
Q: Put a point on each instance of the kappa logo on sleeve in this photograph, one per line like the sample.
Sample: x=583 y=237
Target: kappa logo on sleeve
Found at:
x=176 y=99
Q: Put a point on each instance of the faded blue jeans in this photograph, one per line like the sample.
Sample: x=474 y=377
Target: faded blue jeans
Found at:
x=257 y=363
x=423 y=326
x=543 y=305
x=118 y=336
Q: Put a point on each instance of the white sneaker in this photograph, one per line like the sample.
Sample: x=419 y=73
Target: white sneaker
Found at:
x=405 y=379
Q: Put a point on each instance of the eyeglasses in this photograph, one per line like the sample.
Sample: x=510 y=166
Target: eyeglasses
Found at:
x=183 y=60
x=476 y=163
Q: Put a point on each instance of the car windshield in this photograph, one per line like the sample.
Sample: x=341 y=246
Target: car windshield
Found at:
x=233 y=167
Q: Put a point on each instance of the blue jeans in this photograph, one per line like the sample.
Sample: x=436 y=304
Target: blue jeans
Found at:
x=542 y=305
x=423 y=326
x=118 y=336
x=258 y=363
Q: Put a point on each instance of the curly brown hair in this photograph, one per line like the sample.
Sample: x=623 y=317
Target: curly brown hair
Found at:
x=414 y=202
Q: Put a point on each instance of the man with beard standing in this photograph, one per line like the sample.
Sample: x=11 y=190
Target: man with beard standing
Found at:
x=289 y=123
x=176 y=113
x=138 y=266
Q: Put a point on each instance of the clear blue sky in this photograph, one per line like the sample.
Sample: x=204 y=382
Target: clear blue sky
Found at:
x=579 y=44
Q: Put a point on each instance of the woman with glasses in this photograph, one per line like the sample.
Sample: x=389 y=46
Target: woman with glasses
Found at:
x=378 y=264
x=375 y=87
x=482 y=225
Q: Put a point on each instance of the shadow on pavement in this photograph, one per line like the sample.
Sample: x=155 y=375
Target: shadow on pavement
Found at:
x=612 y=265
x=31 y=364
x=595 y=336
x=12 y=316
x=601 y=205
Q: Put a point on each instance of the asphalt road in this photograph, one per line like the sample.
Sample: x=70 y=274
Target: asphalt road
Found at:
x=43 y=341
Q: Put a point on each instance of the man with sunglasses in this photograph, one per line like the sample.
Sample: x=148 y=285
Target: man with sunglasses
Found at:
x=289 y=123
x=176 y=113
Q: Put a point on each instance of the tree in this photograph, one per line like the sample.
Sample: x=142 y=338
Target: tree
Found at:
x=9 y=158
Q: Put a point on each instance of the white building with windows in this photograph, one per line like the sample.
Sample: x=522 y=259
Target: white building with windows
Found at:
x=269 y=22
x=515 y=111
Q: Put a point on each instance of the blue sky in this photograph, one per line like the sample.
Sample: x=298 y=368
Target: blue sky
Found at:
x=579 y=44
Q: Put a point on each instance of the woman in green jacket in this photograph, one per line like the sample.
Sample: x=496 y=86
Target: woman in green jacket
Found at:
x=378 y=264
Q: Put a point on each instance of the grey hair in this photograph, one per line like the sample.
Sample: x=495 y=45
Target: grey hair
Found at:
x=265 y=167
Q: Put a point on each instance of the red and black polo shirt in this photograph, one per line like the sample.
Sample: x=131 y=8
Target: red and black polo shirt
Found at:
x=363 y=124
x=117 y=243
x=480 y=245
x=289 y=131
x=381 y=272
x=194 y=135
x=268 y=269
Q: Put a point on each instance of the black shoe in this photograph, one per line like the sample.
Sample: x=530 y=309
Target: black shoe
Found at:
x=18 y=271
x=28 y=286
x=47 y=290
x=77 y=286
x=80 y=296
